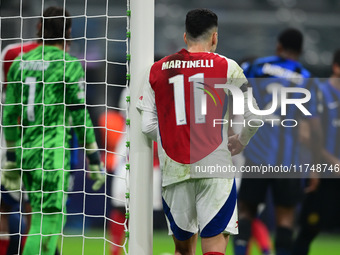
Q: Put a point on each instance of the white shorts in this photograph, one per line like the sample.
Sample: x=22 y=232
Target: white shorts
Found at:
x=205 y=205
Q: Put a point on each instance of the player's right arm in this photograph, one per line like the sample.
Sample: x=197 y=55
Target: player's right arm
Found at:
x=11 y=113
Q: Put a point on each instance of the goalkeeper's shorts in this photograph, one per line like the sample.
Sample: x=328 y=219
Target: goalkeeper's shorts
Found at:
x=205 y=205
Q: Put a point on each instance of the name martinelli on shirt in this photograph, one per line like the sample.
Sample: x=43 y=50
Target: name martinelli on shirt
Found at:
x=188 y=64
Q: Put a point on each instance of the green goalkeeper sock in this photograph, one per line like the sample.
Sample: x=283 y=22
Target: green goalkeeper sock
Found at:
x=43 y=234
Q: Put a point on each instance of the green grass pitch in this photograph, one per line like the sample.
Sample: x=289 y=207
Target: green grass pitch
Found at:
x=325 y=244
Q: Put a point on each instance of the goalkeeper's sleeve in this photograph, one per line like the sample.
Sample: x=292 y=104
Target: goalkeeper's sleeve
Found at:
x=82 y=125
x=11 y=112
x=75 y=101
x=10 y=174
x=81 y=121
x=84 y=129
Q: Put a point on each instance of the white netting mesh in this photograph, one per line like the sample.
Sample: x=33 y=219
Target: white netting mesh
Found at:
x=96 y=222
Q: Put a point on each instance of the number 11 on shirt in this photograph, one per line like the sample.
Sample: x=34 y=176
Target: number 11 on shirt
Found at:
x=200 y=98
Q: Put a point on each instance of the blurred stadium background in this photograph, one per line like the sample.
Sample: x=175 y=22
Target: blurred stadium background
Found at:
x=247 y=28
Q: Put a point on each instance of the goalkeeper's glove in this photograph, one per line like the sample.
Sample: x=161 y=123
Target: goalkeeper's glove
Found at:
x=97 y=171
x=10 y=179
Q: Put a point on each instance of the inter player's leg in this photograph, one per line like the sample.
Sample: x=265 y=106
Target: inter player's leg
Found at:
x=247 y=212
x=251 y=193
x=286 y=193
x=284 y=229
x=318 y=208
x=309 y=224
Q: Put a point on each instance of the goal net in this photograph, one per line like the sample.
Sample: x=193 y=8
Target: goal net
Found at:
x=94 y=222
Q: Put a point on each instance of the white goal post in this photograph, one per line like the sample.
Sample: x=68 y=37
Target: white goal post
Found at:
x=141 y=174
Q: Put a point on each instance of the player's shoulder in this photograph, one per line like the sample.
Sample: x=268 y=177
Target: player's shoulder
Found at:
x=277 y=64
x=72 y=60
x=305 y=72
x=53 y=53
x=231 y=62
x=221 y=59
x=266 y=60
x=297 y=67
x=158 y=64
x=74 y=69
x=232 y=65
x=70 y=57
x=167 y=62
x=258 y=63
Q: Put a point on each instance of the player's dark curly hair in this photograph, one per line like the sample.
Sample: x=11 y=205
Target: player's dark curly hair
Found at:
x=291 y=39
x=199 y=21
x=336 y=57
x=55 y=25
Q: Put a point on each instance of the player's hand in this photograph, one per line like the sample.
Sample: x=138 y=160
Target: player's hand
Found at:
x=98 y=175
x=10 y=178
x=97 y=171
x=234 y=145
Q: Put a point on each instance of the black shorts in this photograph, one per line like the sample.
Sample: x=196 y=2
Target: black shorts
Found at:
x=285 y=192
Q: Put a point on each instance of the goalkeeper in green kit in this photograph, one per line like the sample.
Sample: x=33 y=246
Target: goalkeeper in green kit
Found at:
x=44 y=99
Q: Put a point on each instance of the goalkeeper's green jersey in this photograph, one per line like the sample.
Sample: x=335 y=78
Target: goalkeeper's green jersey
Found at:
x=44 y=98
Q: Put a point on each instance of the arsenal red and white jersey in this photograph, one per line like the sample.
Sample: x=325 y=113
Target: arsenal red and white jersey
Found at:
x=182 y=91
x=11 y=52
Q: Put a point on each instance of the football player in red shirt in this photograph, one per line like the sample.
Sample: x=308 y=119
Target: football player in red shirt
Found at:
x=185 y=108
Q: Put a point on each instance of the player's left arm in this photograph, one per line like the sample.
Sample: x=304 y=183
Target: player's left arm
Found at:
x=147 y=106
x=11 y=112
x=237 y=142
x=81 y=121
x=75 y=101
